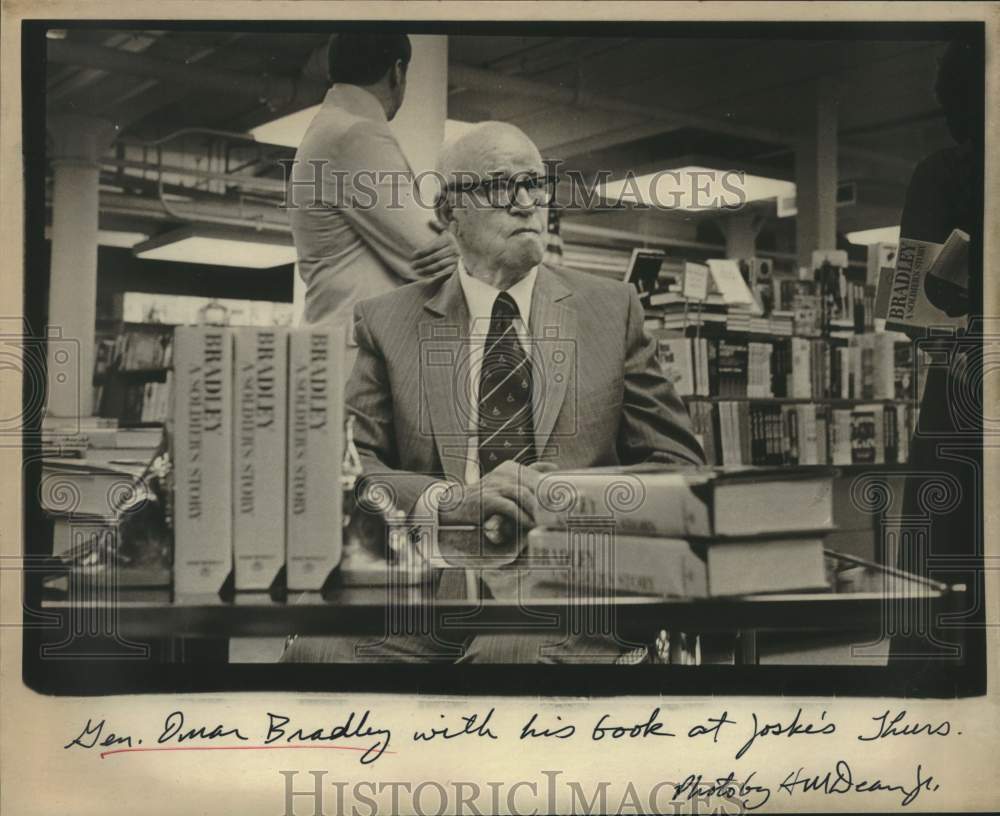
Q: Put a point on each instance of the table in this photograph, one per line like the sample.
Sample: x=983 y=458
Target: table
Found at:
x=860 y=599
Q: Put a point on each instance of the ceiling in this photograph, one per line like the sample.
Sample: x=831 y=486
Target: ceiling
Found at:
x=639 y=103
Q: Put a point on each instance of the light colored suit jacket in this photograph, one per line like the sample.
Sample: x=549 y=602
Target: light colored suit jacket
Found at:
x=600 y=396
x=348 y=253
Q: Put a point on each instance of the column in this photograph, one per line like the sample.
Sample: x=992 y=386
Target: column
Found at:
x=298 y=298
x=816 y=172
x=741 y=231
x=419 y=124
x=78 y=142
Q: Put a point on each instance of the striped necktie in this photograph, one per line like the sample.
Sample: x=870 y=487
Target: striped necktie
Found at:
x=506 y=425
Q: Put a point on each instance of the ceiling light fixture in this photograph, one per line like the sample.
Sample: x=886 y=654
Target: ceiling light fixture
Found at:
x=218 y=247
x=696 y=188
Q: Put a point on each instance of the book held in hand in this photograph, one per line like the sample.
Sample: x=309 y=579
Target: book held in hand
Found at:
x=928 y=287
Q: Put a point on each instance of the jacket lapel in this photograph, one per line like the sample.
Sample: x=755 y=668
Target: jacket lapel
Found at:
x=444 y=372
x=553 y=329
x=443 y=352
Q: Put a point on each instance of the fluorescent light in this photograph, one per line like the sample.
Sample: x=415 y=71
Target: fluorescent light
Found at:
x=696 y=188
x=289 y=130
x=286 y=130
x=880 y=235
x=190 y=245
x=113 y=238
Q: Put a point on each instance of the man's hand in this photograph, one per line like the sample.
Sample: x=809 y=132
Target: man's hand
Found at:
x=502 y=503
x=440 y=255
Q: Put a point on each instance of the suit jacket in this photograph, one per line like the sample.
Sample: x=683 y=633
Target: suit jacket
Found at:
x=600 y=397
x=354 y=234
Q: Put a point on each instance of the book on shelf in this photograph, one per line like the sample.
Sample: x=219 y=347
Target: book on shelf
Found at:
x=674 y=567
x=677 y=360
x=144 y=347
x=928 y=286
x=725 y=279
x=644 y=270
x=202 y=458
x=103 y=483
x=314 y=514
x=260 y=438
x=146 y=439
x=700 y=503
x=772 y=432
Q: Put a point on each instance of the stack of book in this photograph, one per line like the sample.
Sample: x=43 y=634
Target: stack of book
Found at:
x=257 y=448
x=102 y=514
x=64 y=438
x=693 y=533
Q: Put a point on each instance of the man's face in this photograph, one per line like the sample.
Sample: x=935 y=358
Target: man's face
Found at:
x=509 y=238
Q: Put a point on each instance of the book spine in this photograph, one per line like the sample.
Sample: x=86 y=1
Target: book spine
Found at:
x=801 y=376
x=314 y=515
x=203 y=407
x=259 y=444
x=840 y=436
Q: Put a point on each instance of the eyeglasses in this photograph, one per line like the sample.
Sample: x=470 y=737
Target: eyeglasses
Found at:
x=505 y=191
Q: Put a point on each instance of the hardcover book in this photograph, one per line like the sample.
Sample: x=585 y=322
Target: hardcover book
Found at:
x=259 y=444
x=927 y=288
x=314 y=514
x=202 y=440
x=690 y=503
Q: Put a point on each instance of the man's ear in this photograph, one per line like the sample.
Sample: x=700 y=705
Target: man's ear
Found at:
x=445 y=211
x=397 y=75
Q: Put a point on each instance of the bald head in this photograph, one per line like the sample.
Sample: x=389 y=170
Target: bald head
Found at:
x=485 y=149
x=498 y=226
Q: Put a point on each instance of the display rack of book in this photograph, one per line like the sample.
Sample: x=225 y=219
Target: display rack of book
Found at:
x=792 y=375
x=132 y=373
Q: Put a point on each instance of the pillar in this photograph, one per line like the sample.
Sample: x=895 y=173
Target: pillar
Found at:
x=298 y=298
x=816 y=172
x=419 y=124
x=741 y=231
x=78 y=142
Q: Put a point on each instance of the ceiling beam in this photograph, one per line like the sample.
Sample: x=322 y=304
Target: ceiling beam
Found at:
x=561 y=96
x=279 y=93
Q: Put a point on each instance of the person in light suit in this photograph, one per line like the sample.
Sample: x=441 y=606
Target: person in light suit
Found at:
x=475 y=383
x=359 y=229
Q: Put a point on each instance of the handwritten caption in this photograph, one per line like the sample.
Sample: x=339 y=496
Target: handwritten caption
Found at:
x=362 y=733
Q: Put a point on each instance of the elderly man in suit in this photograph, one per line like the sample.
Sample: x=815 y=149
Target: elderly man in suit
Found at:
x=481 y=380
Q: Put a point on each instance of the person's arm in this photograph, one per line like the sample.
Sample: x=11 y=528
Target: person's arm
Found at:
x=655 y=425
x=368 y=399
x=387 y=214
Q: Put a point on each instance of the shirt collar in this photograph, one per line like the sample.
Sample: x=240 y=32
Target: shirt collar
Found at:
x=357 y=100
x=480 y=296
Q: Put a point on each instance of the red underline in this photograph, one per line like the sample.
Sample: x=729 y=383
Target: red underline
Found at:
x=241 y=748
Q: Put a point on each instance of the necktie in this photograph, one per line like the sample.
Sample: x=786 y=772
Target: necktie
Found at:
x=506 y=425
